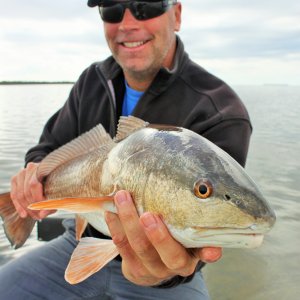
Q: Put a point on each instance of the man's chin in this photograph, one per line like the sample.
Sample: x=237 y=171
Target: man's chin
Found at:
x=140 y=73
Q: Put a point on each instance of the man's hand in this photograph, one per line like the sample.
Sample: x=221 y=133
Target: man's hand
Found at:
x=149 y=253
x=26 y=189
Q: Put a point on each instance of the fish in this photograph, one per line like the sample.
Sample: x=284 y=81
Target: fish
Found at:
x=203 y=195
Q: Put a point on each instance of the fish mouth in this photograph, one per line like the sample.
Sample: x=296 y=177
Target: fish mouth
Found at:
x=207 y=231
x=233 y=240
x=198 y=237
x=250 y=237
x=253 y=228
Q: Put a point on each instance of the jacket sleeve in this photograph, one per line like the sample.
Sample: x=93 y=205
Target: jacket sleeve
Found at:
x=223 y=119
x=233 y=136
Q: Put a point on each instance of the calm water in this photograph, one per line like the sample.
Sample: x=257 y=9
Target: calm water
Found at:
x=271 y=272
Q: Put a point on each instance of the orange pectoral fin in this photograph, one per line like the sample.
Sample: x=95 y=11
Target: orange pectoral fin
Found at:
x=74 y=205
x=90 y=256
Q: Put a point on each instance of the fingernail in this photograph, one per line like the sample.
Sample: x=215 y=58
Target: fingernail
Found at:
x=43 y=214
x=148 y=220
x=210 y=255
x=23 y=214
x=106 y=217
x=33 y=180
x=121 y=198
x=109 y=217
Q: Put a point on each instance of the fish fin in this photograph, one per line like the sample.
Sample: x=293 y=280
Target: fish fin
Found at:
x=17 y=229
x=128 y=125
x=81 y=224
x=90 y=256
x=165 y=127
x=74 y=205
x=85 y=143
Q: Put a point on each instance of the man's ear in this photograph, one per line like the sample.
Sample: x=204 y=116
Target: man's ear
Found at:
x=178 y=10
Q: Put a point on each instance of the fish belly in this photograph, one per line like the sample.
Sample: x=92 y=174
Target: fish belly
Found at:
x=97 y=221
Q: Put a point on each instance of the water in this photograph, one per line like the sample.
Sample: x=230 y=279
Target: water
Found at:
x=271 y=272
x=23 y=111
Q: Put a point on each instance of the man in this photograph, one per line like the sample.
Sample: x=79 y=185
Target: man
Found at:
x=150 y=76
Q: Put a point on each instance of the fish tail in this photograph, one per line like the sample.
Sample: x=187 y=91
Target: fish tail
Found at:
x=17 y=229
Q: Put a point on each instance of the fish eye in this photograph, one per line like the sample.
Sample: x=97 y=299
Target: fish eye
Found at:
x=203 y=189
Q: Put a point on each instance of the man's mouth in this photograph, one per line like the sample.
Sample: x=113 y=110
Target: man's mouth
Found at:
x=133 y=44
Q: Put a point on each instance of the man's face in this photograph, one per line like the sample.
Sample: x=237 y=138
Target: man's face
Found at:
x=142 y=47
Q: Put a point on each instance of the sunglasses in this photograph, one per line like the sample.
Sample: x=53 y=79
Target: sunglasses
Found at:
x=113 y=12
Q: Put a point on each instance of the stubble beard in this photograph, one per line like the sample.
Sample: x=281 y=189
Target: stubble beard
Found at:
x=146 y=74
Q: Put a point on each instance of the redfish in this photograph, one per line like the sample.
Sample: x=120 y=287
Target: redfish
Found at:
x=203 y=195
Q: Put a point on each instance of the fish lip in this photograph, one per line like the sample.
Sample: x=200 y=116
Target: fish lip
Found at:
x=210 y=231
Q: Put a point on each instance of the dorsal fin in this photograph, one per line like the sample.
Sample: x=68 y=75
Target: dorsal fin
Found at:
x=128 y=125
x=83 y=144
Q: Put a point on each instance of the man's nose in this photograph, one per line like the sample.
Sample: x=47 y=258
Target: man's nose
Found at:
x=129 y=22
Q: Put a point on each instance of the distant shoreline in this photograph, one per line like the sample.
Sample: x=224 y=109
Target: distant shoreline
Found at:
x=34 y=82
x=21 y=82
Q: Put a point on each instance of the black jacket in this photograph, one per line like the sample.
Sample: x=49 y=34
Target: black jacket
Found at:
x=186 y=96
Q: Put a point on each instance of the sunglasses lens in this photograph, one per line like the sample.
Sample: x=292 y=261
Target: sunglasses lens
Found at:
x=147 y=10
x=141 y=10
x=112 y=14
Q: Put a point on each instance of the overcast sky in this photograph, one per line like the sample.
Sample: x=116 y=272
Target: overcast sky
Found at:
x=243 y=42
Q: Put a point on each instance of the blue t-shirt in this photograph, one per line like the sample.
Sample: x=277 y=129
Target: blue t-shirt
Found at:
x=131 y=98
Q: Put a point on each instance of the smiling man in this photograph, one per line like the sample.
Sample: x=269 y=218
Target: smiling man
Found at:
x=149 y=75
x=141 y=48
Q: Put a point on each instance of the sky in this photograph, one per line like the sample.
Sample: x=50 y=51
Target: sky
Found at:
x=242 y=42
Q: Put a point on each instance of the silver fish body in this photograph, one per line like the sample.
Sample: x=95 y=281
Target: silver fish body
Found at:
x=204 y=196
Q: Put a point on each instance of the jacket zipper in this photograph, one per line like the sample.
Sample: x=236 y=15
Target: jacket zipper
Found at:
x=112 y=101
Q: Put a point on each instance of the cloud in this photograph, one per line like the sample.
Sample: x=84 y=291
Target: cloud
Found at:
x=228 y=37
x=234 y=38
x=243 y=31
x=44 y=10
x=55 y=41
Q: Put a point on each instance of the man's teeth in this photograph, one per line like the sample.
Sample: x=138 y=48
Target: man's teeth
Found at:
x=133 y=44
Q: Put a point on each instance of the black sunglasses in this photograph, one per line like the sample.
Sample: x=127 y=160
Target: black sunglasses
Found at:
x=113 y=12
